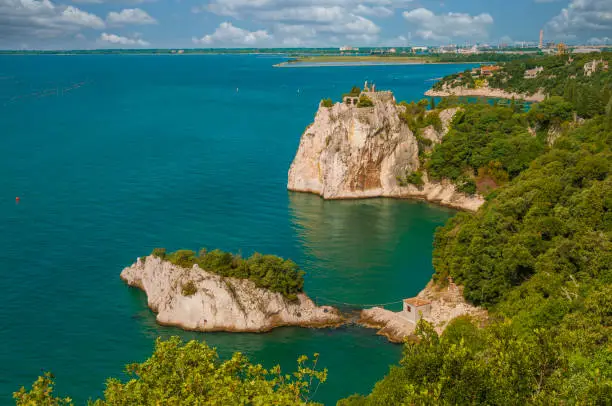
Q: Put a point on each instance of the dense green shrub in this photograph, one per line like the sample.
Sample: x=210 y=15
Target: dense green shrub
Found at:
x=267 y=271
x=365 y=101
x=411 y=178
x=159 y=253
x=480 y=134
x=328 y=103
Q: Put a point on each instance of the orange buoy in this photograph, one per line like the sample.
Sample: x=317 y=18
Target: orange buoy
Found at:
x=17 y=199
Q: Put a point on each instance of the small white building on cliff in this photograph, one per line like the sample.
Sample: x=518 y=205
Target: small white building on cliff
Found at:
x=415 y=309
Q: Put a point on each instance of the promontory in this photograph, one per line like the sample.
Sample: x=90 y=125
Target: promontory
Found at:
x=365 y=147
x=196 y=292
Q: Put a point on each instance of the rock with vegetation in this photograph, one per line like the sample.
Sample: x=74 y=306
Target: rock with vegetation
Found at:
x=351 y=152
x=185 y=295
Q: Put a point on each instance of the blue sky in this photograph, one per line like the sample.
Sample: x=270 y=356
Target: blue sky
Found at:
x=69 y=24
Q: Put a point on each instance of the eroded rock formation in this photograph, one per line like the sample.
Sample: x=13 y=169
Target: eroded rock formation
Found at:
x=350 y=152
x=194 y=299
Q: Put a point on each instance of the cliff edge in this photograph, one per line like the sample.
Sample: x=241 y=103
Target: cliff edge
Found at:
x=194 y=299
x=359 y=152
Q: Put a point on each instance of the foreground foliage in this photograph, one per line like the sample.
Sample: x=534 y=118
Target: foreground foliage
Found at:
x=193 y=374
x=267 y=271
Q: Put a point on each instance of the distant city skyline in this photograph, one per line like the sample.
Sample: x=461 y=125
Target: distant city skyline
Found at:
x=88 y=24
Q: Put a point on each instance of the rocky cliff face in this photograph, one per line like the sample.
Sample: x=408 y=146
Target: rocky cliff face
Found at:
x=351 y=152
x=219 y=303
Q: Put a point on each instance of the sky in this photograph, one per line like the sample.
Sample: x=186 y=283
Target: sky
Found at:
x=86 y=24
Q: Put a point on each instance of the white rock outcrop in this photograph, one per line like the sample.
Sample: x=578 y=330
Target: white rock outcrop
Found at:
x=220 y=303
x=446 y=304
x=351 y=152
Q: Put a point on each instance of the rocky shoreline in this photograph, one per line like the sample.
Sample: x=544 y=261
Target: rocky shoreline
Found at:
x=447 y=303
x=485 y=92
x=217 y=303
x=354 y=153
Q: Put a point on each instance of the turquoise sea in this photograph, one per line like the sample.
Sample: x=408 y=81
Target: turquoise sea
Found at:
x=112 y=156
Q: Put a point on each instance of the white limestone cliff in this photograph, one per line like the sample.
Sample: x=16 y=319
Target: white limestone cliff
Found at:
x=351 y=152
x=220 y=303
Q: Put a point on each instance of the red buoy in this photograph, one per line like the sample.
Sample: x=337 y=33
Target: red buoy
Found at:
x=17 y=199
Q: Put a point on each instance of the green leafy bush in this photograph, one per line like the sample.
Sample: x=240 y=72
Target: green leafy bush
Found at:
x=328 y=103
x=193 y=374
x=365 y=101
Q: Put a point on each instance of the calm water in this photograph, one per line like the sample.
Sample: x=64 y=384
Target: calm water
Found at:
x=115 y=155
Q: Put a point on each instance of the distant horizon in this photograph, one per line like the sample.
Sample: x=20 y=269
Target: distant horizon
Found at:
x=114 y=49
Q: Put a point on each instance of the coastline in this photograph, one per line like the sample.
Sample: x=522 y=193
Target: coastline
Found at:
x=362 y=63
x=485 y=92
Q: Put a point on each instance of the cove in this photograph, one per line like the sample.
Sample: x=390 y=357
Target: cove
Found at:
x=183 y=152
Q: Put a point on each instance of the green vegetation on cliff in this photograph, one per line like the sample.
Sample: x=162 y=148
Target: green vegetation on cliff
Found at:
x=193 y=374
x=486 y=145
x=538 y=255
x=267 y=271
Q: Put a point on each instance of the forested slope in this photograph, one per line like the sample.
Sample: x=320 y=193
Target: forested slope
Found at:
x=538 y=256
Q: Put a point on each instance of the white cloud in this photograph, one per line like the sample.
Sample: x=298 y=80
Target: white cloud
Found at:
x=599 y=41
x=23 y=20
x=130 y=16
x=377 y=11
x=345 y=18
x=228 y=34
x=112 y=1
x=450 y=26
x=114 y=39
x=583 y=17
x=78 y=17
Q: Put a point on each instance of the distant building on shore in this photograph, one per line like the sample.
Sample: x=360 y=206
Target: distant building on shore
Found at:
x=489 y=70
x=447 y=49
x=348 y=49
x=419 y=50
x=586 y=50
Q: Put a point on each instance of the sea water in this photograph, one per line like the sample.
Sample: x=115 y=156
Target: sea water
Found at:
x=112 y=156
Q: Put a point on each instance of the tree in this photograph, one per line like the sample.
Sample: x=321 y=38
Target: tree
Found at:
x=193 y=374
